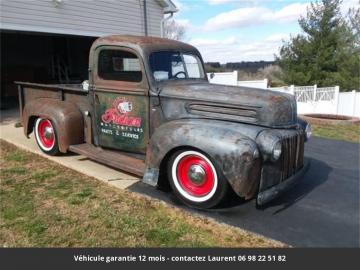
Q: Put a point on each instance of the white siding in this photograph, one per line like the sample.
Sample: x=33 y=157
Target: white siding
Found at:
x=154 y=15
x=81 y=17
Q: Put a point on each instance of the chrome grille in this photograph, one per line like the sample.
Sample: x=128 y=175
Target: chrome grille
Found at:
x=292 y=157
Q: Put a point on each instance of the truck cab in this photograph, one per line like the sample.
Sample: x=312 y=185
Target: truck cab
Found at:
x=150 y=110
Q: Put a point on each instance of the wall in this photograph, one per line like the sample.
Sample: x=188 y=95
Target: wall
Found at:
x=154 y=17
x=78 y=17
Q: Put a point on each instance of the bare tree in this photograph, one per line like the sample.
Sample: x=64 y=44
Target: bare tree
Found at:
x=354 y=23
x=174 y=30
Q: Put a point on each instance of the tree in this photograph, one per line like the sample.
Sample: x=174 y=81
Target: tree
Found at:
x=354 y=21
x=327 y=52
x=174 y=30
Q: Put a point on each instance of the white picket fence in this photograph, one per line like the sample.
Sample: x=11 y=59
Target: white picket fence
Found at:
x=327 y=100
x=310 y=99
x=313 y=99
x=310 y=93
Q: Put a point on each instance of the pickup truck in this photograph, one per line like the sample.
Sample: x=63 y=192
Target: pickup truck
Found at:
x=149 y=110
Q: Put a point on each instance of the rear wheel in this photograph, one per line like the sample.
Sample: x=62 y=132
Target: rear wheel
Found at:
x=195 y=179
x=46 y=137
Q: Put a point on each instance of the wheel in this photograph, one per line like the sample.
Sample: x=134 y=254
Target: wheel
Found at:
x=46 y=137
x=195 y=179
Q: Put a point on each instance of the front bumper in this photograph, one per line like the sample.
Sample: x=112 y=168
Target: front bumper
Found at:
x=268 y=195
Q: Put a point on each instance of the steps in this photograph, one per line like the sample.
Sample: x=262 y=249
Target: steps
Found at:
x=118 y=160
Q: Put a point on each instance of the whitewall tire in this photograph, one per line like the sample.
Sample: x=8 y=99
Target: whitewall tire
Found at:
x=195 y=180
x=46 y=137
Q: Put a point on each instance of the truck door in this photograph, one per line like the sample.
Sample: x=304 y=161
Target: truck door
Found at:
x=121 y=101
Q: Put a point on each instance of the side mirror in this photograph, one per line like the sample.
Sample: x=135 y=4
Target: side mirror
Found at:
x=212 y=75
x=85 y=85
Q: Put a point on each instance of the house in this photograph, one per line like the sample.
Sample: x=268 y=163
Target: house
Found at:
x=48 y=41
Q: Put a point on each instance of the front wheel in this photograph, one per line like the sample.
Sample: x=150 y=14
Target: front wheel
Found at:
x=46 y=137
x=195 y=179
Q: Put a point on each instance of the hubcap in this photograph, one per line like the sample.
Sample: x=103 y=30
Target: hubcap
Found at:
x=195 y=175
x=46 y=133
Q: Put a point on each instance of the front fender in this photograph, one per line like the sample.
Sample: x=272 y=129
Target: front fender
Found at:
x=235 y=154
x=65 y=116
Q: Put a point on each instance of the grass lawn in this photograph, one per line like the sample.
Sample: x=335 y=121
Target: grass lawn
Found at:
x=345 y=132
x=43 y=204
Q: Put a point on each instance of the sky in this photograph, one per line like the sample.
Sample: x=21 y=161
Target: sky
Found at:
x=242 y=30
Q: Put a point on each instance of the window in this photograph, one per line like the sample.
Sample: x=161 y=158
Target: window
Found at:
x=192 y=66
x=168 y=65
x=119 y=66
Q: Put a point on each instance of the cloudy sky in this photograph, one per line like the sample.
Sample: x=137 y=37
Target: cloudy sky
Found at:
x=241 y=30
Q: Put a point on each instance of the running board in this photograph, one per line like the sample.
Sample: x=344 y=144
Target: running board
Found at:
x=111 y=158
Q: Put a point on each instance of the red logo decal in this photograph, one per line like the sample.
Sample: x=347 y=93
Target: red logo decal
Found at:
x=119 y=114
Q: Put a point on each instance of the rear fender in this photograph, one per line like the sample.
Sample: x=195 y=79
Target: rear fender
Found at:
x=65 y=116
x=235 y=154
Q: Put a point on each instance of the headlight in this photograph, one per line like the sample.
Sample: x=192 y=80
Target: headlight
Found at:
x=276 y=153
x=308 y=131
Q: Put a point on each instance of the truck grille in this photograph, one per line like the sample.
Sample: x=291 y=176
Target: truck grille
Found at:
x=292 y=157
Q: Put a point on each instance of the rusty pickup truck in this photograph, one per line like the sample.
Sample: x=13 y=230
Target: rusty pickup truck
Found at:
x=149 y=110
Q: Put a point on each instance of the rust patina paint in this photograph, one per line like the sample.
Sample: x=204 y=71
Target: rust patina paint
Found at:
x=235 y=126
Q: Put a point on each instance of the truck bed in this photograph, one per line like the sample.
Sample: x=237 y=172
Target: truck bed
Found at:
x=55 y=87
x=68 y=93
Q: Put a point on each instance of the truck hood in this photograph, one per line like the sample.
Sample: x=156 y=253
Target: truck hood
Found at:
x=239 y=104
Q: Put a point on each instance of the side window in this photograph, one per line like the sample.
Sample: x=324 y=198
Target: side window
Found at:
x=119 y=66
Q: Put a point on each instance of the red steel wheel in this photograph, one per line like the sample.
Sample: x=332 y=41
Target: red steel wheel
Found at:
x=45 y=135
x=195 y=179
x=195 y=175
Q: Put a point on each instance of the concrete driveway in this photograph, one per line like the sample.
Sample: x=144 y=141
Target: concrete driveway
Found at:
x=321 y=211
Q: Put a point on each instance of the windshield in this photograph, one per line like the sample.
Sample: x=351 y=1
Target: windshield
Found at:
x=168 y=65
